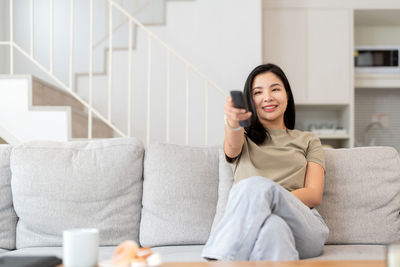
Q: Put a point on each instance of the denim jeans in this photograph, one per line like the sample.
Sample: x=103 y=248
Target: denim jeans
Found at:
x=264 y=221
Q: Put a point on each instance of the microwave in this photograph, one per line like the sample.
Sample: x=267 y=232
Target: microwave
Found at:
x=377 y=59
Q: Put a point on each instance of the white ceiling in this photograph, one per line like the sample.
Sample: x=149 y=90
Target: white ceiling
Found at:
x=377 y=17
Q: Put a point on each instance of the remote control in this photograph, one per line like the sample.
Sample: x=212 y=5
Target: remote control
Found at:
x=238 y=102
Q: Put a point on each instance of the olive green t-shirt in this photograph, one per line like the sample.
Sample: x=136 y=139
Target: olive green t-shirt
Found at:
x=282 y=158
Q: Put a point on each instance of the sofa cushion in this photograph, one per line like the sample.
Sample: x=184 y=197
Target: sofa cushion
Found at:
x=57 y=186
x=180 y=192
x=3 y=251
x=225 y=177
x=361 y=201
x=8 y=218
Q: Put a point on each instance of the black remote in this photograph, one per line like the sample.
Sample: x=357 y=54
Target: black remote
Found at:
x=30 y=261
x=238 y=102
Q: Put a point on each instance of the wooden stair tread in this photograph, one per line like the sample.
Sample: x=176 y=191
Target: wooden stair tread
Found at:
x=45 y=94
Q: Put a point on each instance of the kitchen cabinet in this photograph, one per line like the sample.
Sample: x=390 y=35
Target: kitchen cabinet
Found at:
x=329 y=56
x=314 y=48
x=285 y=44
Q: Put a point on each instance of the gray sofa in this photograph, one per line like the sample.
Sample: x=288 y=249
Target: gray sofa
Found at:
x=170 y=196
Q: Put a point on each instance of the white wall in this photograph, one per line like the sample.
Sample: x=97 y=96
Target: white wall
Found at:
x=222 y=38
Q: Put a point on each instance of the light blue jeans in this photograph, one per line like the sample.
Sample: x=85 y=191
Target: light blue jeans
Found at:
x=264 y=221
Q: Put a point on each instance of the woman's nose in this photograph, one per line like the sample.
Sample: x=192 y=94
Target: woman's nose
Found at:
x=267 y=98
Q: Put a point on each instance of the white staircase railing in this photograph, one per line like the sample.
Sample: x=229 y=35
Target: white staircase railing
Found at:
x=106 y=117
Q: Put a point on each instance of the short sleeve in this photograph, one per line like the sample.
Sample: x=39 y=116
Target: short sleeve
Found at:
x=314 y=151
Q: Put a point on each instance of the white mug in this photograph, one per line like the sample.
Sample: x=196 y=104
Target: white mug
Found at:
x=393 y=254
x=80 y=247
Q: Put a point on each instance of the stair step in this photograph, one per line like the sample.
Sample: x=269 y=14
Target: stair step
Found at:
x=45 y=94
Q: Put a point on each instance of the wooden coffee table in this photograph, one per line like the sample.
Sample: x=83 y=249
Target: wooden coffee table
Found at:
x=302 y=263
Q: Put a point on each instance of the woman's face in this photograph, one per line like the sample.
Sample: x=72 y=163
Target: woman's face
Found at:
x=270 y=99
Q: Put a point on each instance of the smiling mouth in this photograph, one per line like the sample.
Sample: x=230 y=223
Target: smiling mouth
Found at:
x=270 y=108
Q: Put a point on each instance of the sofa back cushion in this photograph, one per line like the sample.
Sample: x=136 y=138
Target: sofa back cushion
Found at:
x=180 y=192
x=8 y=218
x=58 y=186
x=361 y=201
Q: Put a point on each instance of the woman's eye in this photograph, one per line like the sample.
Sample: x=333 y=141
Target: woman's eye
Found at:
x=276 y=89
x=257 y=92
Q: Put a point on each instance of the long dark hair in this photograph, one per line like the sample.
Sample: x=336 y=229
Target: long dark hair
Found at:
x=256 y=132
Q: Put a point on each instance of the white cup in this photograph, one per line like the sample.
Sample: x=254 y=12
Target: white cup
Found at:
x=393 y=254
x=80 y=247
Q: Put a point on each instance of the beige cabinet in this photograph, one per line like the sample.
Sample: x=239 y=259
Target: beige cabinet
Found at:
x=314 y=47
x=285 y=44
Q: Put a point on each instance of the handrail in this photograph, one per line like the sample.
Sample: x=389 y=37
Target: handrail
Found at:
x=8 y=136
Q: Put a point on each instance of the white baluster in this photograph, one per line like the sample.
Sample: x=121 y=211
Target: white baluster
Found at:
x=51 y=36
x=168 y=97
x=206 y=114
x=148 y=89
x=11 y=37
x=130 y=80
x=31 y=27
x=90 y=71
x=187 y=104
x=71 y=42
x=110 y=33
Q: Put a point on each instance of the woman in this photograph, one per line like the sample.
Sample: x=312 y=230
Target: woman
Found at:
x=279 y=178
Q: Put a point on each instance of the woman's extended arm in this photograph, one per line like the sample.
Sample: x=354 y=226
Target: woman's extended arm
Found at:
x=234 y=139
x=311 y=194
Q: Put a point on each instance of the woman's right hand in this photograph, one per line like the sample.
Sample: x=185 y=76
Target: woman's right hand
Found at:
x=234 y=115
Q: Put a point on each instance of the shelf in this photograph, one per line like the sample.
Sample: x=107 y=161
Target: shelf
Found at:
x=330 y=123
x=377 y=80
